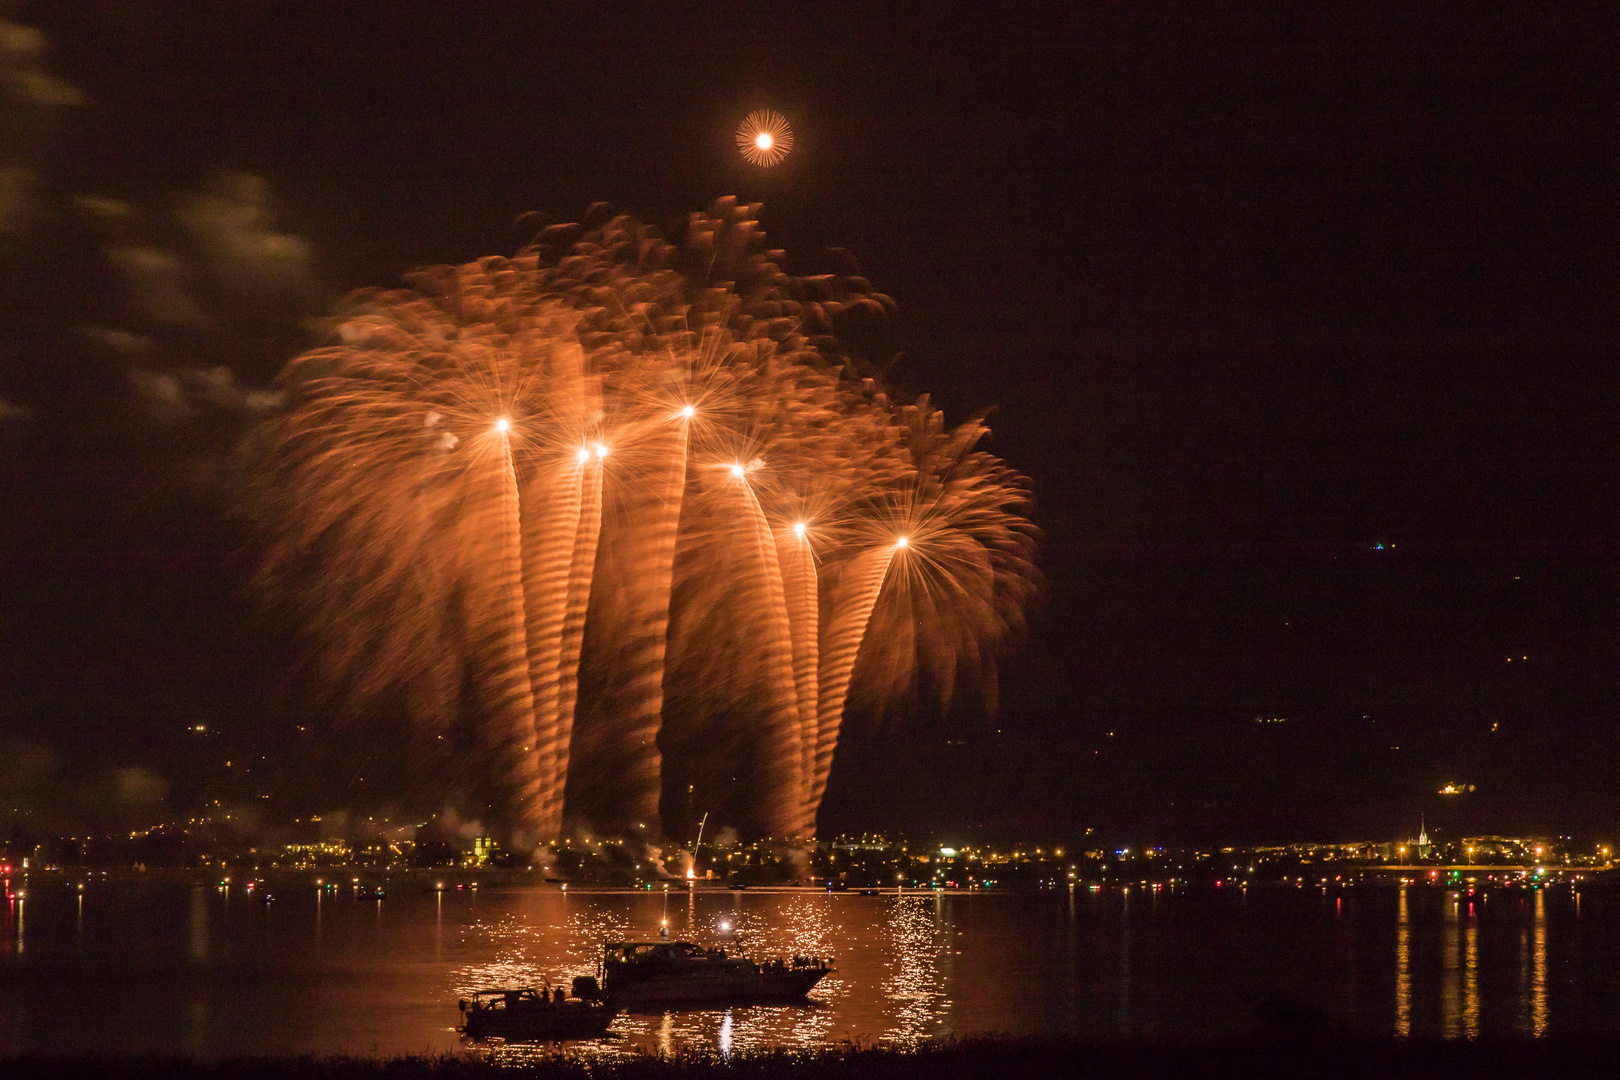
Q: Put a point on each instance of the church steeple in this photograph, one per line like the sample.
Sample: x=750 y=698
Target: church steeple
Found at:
x=1423 y=846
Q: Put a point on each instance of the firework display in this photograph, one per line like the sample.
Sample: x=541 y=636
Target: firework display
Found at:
x=620 y=527
x=765 y=138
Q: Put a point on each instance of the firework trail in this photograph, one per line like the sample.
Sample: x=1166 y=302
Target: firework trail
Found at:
x=581 y=568
x=551 y=514
x=800 y=598
x=508 y=733
x=621 y=516
x=781 y=772
x=616 y=776
x=561 y=511
x=840 y=646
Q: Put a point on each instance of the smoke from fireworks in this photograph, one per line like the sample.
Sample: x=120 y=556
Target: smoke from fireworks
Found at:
x=619 y=526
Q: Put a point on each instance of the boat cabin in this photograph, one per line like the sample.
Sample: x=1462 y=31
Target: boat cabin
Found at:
x=526 y=997
x=657 y=952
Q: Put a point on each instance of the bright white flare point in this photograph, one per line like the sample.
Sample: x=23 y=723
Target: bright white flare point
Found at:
x=601 y=451
x=584 y=454
x=901 y=542
x=798 y=528
x=764 y=141
x=688 y=412
x=737 y=471
x=502 y=424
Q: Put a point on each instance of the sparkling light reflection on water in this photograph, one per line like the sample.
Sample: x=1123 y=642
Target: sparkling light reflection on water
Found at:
x=172 y=967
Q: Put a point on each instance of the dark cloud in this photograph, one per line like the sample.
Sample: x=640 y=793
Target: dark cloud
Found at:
x=142 y=319
x=196 y=285
x=32 y=101
x=136 y=315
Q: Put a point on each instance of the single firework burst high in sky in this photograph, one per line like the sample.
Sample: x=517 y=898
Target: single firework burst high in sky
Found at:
x=764 y=137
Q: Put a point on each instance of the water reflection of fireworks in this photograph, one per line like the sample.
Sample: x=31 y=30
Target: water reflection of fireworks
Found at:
x=916 y=984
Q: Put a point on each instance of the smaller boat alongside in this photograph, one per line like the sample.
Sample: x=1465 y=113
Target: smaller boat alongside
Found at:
x=525 y=1014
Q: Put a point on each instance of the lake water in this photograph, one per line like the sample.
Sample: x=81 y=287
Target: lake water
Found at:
x=175 y=968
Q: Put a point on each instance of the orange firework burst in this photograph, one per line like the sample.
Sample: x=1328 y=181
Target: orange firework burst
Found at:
x=600 y=535
x=764 y=137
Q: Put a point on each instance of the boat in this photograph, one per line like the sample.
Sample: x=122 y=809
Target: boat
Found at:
x=525 y=1014
x=634 y=974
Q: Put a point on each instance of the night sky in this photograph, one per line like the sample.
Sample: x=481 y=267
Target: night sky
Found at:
x=1302 y=318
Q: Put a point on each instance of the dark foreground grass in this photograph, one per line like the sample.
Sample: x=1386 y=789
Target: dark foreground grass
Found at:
x=966 y=1059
